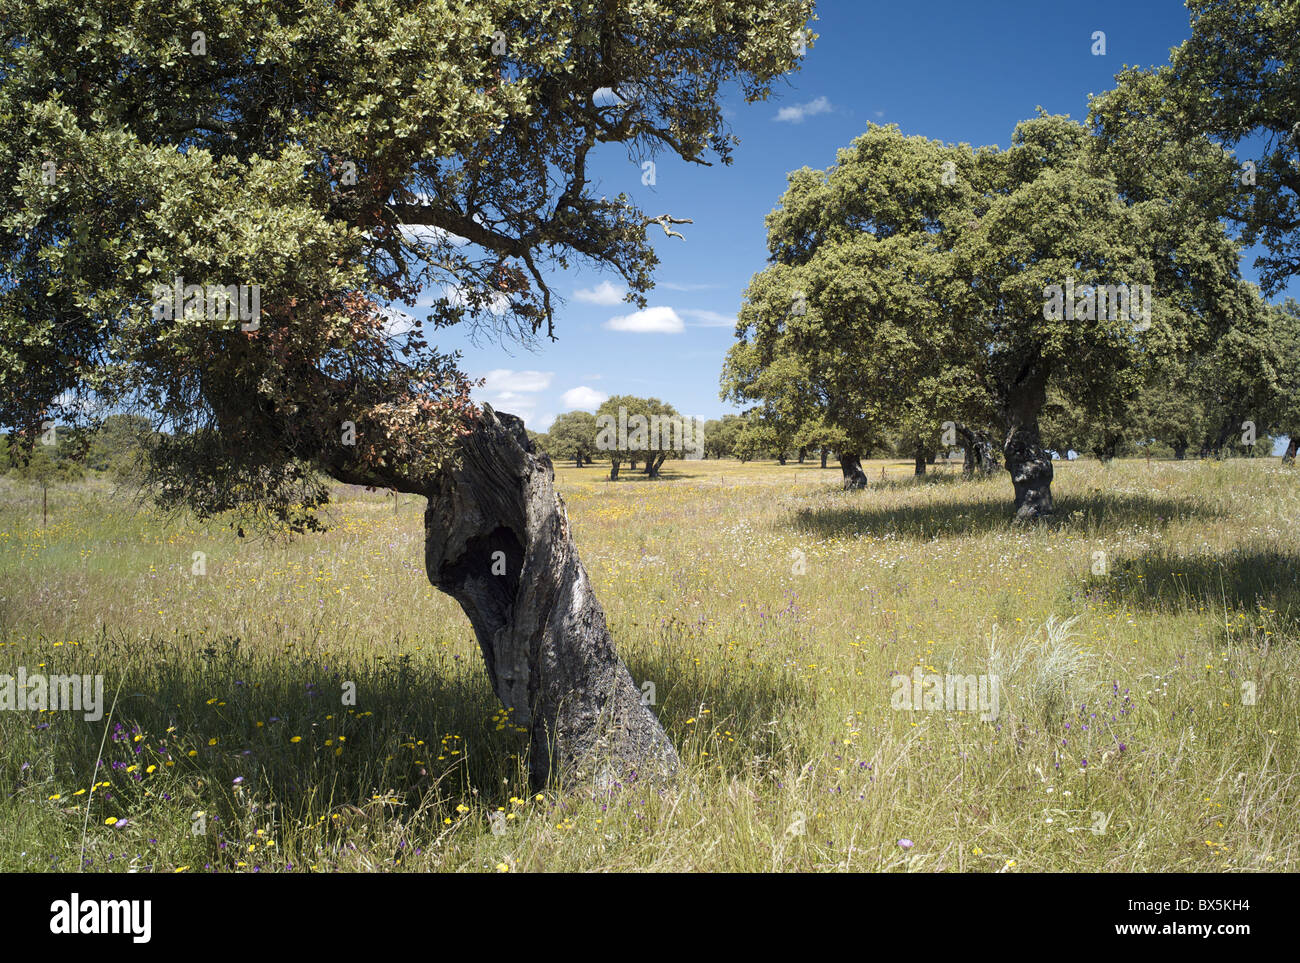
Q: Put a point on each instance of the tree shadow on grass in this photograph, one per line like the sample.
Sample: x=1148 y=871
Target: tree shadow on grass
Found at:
x=927 y=520
x=665 y=475
x=1261 y=585
x=246 y=735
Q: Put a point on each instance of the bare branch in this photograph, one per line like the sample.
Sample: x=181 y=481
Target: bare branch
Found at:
x=663 y=220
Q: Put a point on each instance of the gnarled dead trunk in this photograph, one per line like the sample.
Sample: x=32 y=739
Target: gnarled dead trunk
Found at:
x=854 y=476
x=497 y=539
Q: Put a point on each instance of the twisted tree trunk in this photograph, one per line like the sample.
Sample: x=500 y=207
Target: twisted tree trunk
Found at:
x=547 y=648
x=1031 y=473
x=854 y=476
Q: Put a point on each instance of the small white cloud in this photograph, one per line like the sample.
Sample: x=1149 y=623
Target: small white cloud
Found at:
x=432 y=236
x=583 y=398
x=397 y=323
x=522 y=405
x=540 y=423
x=686 y=287
x=798 y=113
x=497 y=303
x=602 y=293
x=710 y=319
x=660 y=320
x=505 y=380
x=68 y=401
x=624 y=95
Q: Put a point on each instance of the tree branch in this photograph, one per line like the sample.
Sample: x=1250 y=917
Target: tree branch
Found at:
x=663 y=220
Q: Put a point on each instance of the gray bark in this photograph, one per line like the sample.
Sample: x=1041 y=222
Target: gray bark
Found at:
x=542 y=631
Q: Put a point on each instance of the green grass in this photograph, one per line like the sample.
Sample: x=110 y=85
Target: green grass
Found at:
x=769 y=610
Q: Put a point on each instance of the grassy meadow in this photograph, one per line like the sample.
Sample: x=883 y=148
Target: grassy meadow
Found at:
x=1147 y=643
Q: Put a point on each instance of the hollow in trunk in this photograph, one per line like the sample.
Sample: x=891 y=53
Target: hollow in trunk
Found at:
x=498 y=540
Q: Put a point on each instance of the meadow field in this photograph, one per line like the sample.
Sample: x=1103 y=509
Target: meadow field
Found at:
x=1146 y=642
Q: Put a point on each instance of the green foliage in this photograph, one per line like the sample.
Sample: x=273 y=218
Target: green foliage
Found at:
x=721 y=436
x=1232 y=81
x=643 y=429
x=334 y=163
x=45 y=464
x=910 y=285
x=573 y=435
x=121 y=445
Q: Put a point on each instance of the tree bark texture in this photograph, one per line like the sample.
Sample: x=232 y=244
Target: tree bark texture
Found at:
x=1031 y=472
x=854 y=476
x=543 y=635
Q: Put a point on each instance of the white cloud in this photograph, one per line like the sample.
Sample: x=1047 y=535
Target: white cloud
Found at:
x=659 y=320
x=710 y=319
x=541 y=422
x=432 y=236
x=686 y=287
x=514 y=392
x=85 y=406
x=602 y=293
x=582 y=397
x=505 y=380
x=626 y=94
x=497 y=302
x=797 y=113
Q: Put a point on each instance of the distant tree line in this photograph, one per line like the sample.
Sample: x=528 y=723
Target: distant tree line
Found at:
x=118 y=448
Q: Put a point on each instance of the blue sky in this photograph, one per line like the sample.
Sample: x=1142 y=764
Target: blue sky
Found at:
x=953 y=70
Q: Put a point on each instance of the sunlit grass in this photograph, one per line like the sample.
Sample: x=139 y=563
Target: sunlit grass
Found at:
x=768 y=610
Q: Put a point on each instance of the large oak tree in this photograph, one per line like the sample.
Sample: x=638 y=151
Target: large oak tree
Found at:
x=333 y=156
x=924 y=275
